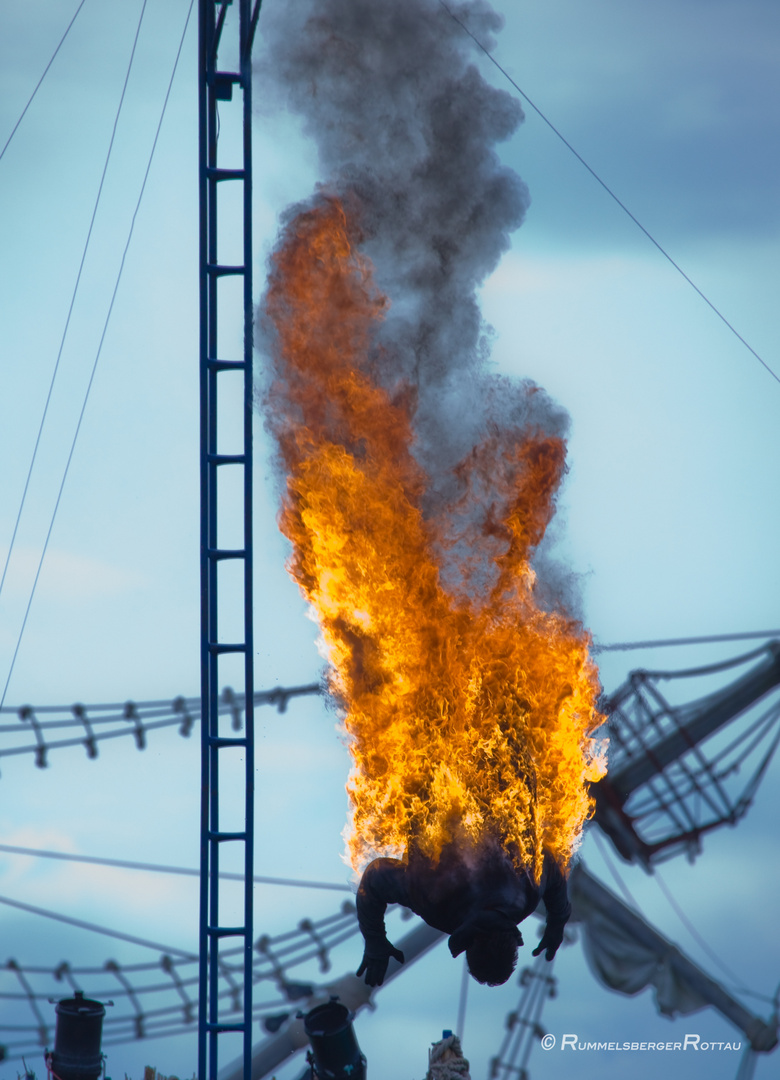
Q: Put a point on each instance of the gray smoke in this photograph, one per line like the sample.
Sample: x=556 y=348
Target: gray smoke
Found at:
x=405 y=123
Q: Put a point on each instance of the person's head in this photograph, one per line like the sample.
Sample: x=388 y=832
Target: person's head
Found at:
x=491 y=956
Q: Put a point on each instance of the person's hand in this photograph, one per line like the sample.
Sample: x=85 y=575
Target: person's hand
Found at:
x=376 y=957
x=551 y=940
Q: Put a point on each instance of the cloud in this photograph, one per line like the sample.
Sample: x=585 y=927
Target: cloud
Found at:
x=675 y=112
x=66 y=576
x=145 y=904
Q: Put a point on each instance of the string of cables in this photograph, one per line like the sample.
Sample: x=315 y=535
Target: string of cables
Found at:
x=105 y=326
x=130 y=718
x=707 y=639
x=159 y=998
x=40 y=81
x=610 y=192
x=74 y=294
x=157 y=868
x=122 y=719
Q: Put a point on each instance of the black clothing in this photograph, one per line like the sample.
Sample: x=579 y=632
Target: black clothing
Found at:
x=461 y=896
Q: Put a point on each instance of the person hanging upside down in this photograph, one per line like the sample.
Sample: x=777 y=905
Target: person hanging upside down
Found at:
x=477 y=896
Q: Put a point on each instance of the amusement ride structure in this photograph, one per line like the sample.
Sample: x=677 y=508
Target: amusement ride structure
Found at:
x=679 y=767
x=677 y=772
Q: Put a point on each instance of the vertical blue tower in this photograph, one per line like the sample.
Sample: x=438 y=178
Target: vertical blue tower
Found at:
x=225 y=110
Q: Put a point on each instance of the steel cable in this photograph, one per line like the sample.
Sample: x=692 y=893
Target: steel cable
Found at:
x=40 y=81
x=105 y=327
x=611 y=193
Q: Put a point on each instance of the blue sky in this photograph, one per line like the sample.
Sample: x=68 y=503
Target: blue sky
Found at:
x=669 y=511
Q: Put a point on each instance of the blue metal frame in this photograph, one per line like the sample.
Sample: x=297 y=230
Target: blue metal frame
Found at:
x=218 y=85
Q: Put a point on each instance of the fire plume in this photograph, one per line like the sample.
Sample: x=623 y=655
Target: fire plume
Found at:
x=469 y=709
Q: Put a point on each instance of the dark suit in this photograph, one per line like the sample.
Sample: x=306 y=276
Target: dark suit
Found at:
x=461 y=895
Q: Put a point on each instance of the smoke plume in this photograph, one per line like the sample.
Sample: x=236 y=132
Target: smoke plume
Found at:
x=406 y=128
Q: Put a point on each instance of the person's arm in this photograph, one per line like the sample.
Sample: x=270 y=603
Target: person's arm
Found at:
x=383 y=883
x=556 y=902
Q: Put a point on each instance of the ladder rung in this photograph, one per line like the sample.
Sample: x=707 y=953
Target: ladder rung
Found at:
x=227 y=459
x=224 y=1027
x=233 y=76
x=220 y=741
x=221 y=270
x=225 y=365
x=227 y=931
x=217 y=649
x=221 y=836
x=223 y=83
x=225 y=174
x=226 y=553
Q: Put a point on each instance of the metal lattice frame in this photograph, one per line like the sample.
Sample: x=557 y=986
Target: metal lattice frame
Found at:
x=674 y=770
x=221 y=86
x=57 y=727
x=524 y=1024
x=158 y=998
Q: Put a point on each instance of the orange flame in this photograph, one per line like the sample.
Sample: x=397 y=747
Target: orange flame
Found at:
x=469 y=710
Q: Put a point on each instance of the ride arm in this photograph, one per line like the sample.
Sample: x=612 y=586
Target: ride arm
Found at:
x=384 y=882
x=558 y=908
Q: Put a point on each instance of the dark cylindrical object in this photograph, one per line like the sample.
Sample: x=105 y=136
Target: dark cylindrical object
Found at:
x=334 y=1047
x=76 y=1054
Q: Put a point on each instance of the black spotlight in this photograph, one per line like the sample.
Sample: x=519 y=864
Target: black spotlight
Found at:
x=335 y=1054
x=76 y=1054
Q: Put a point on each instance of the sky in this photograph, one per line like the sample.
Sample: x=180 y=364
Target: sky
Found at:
x=668 y=514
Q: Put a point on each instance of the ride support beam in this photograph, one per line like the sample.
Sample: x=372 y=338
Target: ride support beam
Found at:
x=226 y=29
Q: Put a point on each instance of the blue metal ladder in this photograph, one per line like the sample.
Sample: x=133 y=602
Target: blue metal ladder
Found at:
x=228 y=90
